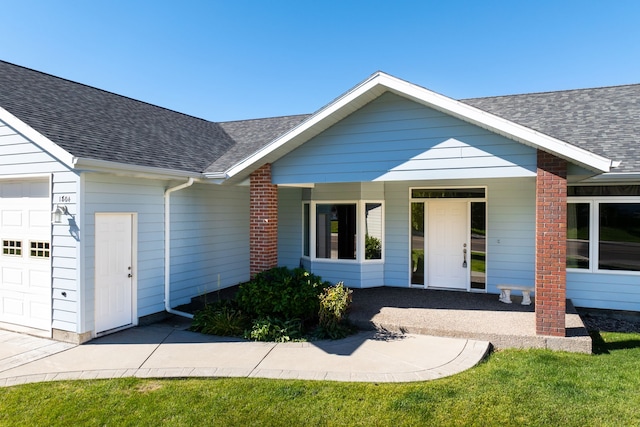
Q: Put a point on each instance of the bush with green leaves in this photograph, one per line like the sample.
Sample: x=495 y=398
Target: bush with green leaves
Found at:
x=334 y=307
x=275 y=330
x=221 y=318
x=282 y=293
x=372 y=247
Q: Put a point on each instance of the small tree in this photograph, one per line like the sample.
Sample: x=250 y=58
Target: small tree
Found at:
x=334 y=306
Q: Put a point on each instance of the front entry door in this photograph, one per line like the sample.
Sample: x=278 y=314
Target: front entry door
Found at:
x=113 y=271
x=447 y=244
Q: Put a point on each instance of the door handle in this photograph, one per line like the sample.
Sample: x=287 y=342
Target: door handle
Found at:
x=464 y=256
x=129 y=275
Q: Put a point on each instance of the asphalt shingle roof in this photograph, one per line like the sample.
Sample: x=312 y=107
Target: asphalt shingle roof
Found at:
x=251 y=135
x=96 y=124
x=605 y=121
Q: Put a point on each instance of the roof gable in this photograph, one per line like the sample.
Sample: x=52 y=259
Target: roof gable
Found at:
x=393 y=138
x=380 y=83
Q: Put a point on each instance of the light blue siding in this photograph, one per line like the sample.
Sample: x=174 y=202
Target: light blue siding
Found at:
x=66 y=243
x=209 y=236
x=289 y=227
x=372 y=275
x=334 y=272
x=19 y=156
x=510 y=232
x=210 y=240
x=396 y=248
x=394 y=139
x=601 y=290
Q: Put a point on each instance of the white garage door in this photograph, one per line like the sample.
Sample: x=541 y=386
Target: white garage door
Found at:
x=25 y=229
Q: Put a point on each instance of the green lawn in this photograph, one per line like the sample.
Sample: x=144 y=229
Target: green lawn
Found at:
x=513 y=387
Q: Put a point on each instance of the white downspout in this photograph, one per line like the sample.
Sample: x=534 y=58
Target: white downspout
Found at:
x=167 y=248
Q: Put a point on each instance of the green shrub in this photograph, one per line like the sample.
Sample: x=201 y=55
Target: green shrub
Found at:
x=372 y=247
x=276 y=330
x=282 y=293
x=334 y=306
x=221 y=318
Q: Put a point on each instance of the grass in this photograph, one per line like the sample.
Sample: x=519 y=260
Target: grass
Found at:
x=513 y=387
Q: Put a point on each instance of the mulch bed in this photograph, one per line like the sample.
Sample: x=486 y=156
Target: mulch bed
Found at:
x=199 y=302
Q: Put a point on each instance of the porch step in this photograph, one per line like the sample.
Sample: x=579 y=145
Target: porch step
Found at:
x=461 y=315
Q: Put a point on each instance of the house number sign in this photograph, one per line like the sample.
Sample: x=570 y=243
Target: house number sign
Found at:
x=64 y=199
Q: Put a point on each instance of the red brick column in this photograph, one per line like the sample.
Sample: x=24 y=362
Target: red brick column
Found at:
x=263 y=221
x=551 y=245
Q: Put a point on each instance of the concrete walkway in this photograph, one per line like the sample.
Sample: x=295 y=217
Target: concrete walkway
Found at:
x=169 y=350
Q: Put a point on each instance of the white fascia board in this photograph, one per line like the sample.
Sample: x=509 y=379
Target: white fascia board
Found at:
x=122 y=169
x=37 y=138
x=379 y=83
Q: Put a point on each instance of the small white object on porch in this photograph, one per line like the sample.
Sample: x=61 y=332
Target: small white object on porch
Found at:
x=505 y=293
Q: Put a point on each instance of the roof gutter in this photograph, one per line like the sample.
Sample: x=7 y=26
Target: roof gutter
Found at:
x=167 y=248
x=124 y=169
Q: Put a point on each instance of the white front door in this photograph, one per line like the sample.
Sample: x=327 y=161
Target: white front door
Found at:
x=113 y=271
x=25 y=265
x=447 y=244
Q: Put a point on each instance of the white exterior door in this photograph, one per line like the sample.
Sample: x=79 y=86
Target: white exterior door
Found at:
x=447 y=244
x=25 y=266
x=113 y=271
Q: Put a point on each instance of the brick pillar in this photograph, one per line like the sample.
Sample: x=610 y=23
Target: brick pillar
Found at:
x=551 y=245
x=263 y=221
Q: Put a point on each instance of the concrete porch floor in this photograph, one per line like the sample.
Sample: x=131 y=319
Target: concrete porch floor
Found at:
x=463 y=315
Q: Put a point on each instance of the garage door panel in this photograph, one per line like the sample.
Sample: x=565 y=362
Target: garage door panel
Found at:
x=12 y=278
x=39 y=310
x=25 y=271
x=40 y=219
x=39 y=279
x=13 y=304
x=11 y=219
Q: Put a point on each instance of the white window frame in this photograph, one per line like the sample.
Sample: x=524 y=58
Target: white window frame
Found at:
x=360 y=231
x=10 y=248
x=46 y=251
x=594 y=232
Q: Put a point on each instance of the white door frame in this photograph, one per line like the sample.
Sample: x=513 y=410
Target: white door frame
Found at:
x=458 y=246
x=126 y=270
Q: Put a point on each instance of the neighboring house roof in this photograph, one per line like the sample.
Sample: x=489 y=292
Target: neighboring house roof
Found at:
x=90 y=123
x=605 y=121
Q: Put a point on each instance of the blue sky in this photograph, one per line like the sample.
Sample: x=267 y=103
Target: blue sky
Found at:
x=237 y=59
